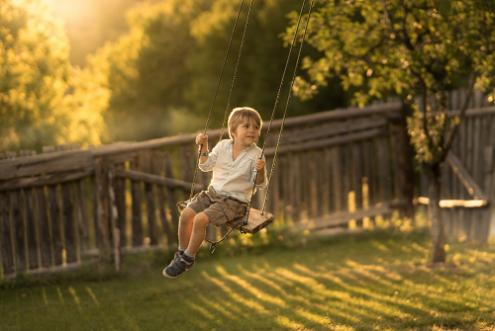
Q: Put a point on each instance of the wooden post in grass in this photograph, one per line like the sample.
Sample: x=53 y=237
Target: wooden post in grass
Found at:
x=489 y=161
x=102 y=206
x=115 y=231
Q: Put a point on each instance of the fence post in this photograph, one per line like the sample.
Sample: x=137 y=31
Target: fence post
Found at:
x=114 y=219
x=102 y=207
x=489 y=158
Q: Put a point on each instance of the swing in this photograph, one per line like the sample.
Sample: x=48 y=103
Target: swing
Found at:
x=255 y=219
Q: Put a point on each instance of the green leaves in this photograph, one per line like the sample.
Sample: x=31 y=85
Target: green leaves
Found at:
x=33 y=75
x=408 y=49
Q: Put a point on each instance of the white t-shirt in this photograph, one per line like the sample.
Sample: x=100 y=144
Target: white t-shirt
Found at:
x=234 y=178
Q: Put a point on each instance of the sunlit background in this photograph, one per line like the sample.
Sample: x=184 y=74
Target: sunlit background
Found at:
x=89 y=24
x=131 y=70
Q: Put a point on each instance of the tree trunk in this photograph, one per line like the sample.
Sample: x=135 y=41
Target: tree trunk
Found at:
x=435 y=216
x=405 y=162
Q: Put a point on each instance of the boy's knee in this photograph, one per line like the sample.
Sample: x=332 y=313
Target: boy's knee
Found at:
x=187 y=215
x=201 y=219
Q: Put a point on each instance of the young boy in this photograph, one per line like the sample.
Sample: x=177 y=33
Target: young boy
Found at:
x=233 y=162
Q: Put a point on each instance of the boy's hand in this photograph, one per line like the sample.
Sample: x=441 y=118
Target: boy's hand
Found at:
x=201 y=139
x=260 y=165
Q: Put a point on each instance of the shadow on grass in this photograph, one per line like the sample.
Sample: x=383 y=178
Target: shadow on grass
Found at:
x=369 y=280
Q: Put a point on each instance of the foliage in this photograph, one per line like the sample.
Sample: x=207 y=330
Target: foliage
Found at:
x=43 y=100
x=262 y=62
x=144 y=69
x=171 y=59
x=34 y=68
x=411 y=49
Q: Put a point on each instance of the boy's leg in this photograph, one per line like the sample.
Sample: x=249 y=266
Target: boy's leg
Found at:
x=198 y=233
x=185 y=227
x=183 y=262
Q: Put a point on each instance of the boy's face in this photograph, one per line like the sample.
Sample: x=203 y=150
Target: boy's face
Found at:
x=247 y=132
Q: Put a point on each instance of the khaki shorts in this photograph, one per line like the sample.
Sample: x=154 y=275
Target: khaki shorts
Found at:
x=219 y=209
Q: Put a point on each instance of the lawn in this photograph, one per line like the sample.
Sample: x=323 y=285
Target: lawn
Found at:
x=368 y=281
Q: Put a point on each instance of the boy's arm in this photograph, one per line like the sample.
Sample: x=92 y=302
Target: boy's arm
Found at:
x=260 y=176
x=261 y=179
x=203 y=153
x=208 y=160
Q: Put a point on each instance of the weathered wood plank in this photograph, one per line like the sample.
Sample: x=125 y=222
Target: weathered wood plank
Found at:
x=150 y=200
x=342 y=218
x=356 y=177
x=30 y=228
x=43 y=226
x=477 y=166
x=324 y=143
x=389 y=110
x=469 y=183
x=337 y=180
x=120 y=202
x=325 y=168
x=45 y=164
x=170 y=197
x=137 y=227
x=56 y=233
x=297 y=174
x=68 y=223
x=157 y=180
x=113 y=217
x=77 y=220
x=17 y=230
x=333 y=129
x=7 y=251
x=102 y=206
x=313 y=184
x=44 y=180
x=84 y=222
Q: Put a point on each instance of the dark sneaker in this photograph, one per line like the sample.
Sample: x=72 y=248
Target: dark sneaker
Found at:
x=177 y=256
x=179 y=264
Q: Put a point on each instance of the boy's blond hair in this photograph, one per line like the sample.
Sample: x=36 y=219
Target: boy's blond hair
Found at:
x=239 y=114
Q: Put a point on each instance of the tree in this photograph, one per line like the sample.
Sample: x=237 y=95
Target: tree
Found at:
x=33 y=75
x=416 y=50
x=145 y=70
x=162 y=74
x=262 y=60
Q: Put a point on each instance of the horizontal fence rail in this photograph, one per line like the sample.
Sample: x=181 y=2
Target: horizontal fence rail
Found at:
x=61 y=208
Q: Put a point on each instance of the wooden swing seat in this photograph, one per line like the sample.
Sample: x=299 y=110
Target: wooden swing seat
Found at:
x=256 y=220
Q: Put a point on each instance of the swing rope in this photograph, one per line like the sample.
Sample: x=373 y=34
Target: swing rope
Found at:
x=216 y=243
x=272 y=168
x=275 y=155
x=217 y=89
x=213 y=244
x=236 y=67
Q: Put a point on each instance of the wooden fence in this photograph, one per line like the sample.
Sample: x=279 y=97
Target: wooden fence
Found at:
x=468 y=176
x=340 y=168
x=469 y=179
x=59 y=208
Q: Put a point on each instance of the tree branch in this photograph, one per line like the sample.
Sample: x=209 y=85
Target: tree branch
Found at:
x=450 y=140
x=429 y=140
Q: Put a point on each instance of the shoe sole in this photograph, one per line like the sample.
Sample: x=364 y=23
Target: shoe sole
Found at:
x=164 y=273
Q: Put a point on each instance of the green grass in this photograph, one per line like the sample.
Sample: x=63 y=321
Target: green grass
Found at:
x=369 y=281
